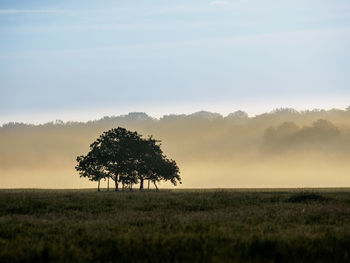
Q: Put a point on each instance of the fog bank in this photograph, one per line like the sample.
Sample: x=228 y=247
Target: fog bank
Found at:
x=283 y=148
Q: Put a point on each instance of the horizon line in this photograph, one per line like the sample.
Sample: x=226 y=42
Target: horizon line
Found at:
x=218 y=115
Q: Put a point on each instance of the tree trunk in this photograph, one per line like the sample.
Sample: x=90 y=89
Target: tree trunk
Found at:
x=130 y=187
x=108 y=184
x=116 y=184
x=155 y=185
x=148 y=184
x=123 y=185
x=141 y=183
x=98 y=186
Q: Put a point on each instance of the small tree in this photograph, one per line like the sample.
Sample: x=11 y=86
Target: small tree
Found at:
x=147 y=155
x=89 y=166
x=170 y=172
x=163 y=169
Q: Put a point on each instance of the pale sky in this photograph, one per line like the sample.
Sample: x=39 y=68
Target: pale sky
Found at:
x=86 y=59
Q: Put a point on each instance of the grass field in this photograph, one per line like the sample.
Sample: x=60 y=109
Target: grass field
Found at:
x=175 y=226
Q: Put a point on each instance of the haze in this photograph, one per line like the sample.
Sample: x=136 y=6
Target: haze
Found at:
x=284 y=148
x=79 y=61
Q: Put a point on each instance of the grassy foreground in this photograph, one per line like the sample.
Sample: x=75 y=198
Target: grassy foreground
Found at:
x=174 y=226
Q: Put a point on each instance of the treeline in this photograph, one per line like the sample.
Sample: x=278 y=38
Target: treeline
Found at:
x=321 y=135
x=237 y=117
x=195 y=136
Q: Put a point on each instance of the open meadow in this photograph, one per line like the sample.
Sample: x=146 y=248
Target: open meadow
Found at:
x=284 y=225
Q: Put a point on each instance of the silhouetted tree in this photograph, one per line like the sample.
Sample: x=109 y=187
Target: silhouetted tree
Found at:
x=148 y=156
x=89 y=166
x=160 y=168
x=127 y=158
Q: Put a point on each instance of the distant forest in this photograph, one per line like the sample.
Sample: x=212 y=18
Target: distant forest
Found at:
x=204 y=144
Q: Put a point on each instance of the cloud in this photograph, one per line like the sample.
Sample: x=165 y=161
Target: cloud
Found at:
x=29 y=11
x=220 y=3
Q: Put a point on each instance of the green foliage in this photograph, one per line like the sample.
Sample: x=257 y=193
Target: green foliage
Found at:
x=173 y=226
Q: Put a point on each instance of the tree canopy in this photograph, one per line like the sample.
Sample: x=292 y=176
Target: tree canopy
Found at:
x=127 y=158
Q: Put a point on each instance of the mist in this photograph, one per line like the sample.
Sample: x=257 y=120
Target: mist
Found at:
x=282 y=148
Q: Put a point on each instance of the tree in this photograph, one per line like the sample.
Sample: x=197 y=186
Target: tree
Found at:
x=127 y=158
x=160 y=168
x=148 y=155
x=170 y=171
x=88 y=166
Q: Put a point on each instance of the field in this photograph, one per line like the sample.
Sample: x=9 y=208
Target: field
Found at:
x=282 y=225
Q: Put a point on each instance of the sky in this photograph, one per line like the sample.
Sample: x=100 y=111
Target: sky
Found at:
x=83 y=59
